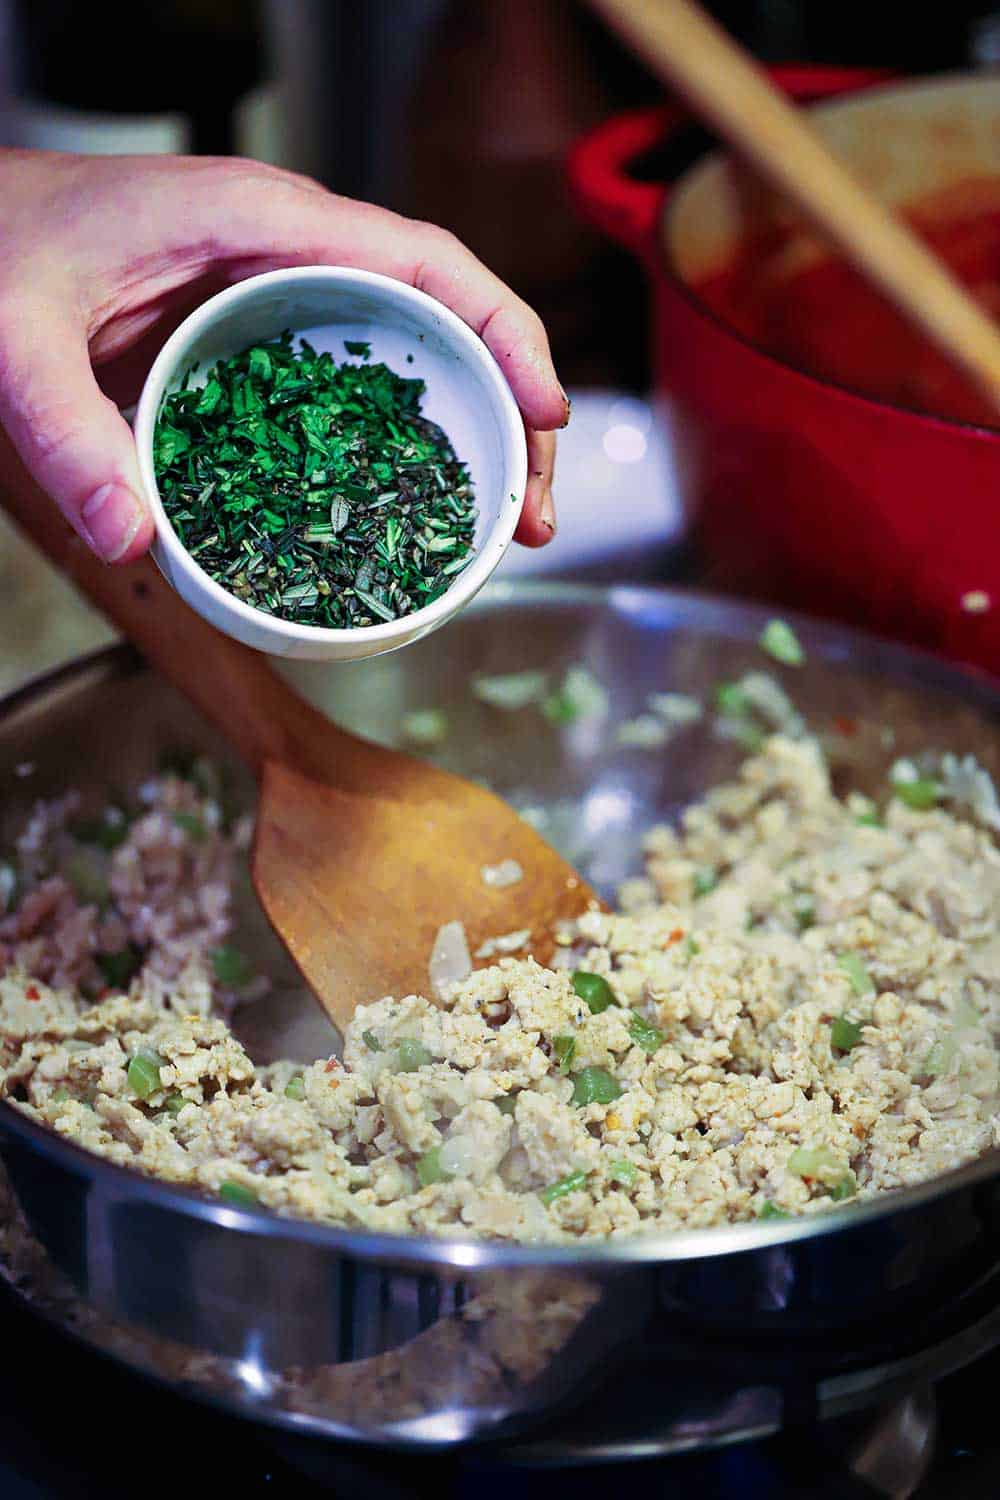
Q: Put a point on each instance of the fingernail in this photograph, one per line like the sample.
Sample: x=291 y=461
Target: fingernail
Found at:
x=111 y=518
x=568 y=404
x=547 y=511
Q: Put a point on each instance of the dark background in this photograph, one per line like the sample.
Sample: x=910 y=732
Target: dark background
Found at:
x=459 y=111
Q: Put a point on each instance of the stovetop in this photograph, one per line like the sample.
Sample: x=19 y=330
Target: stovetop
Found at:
x=74 y=1424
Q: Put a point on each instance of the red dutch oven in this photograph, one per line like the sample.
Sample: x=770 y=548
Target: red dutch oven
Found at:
x=802 y=491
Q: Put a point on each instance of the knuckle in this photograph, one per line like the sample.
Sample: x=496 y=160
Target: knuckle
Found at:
x=241 y=173
x=441 y=246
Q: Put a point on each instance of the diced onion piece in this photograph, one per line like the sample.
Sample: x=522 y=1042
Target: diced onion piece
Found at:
x=450 y=960
x=646 y=732
x=507 y=872
x=511 y=691
x=676 y=709
x=623 y=1171
x=507 y=942
x=458 y=1156
x=970 y=787
x=425 y=726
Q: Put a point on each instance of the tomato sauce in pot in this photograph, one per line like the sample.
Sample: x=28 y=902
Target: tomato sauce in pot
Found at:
x=788 y=296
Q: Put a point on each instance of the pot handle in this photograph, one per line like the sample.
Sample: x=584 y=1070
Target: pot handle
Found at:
x=627 y=209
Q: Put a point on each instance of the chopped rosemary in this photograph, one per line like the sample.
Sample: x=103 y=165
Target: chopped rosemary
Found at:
x=313 y=490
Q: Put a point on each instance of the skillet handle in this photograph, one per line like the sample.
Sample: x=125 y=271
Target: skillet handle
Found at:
x=233 y=686
x=627 y=209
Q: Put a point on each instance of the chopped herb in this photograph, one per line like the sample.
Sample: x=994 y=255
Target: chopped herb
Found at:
x=780 y=641
x=506 y=1105
x=60 y=1095
x=358 y=347
x=703 y=881
x=622 y=1171
x=844 y=1034
x=411 y=1055
x=820 y=1164
x=868 y=820
x=231 y=967
x=192 y=825
x=845 y=1187
x=595 y=992
x=691 y=947
x=920 y=794
x=174 y=1103
x=429 y=1168
x=295 y=1088
x=564 y=1048
x=236 y=1193
x=803 y=909
x=119 y=969
x=861 y=981
x=771 y=1210
x=371 y=1041
x=565 y=1185
x=144 y=1072
x=314 y=490
x=579 y=696
x=649 y=1038
x=595 y=1086
x=731 y=699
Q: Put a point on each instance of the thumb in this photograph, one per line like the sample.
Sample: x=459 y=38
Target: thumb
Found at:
x=74 y=442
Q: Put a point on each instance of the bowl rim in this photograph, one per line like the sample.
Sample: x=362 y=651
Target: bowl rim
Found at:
x=839 y=390
x=835 y=643
x=486 y=555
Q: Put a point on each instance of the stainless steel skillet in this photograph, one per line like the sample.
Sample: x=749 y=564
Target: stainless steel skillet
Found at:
x=644 y=1345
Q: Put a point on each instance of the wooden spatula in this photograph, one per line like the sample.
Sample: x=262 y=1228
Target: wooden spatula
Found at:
x=724 y=86
x=361 y=854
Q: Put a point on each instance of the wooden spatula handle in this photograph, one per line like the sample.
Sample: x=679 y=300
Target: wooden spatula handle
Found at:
x=687 y=49
x=233 y=686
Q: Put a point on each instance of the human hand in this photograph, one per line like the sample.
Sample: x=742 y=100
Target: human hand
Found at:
x=101 y=257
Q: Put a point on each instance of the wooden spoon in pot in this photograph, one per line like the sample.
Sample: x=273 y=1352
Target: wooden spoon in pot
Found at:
x=360 y=854
x=725 y=87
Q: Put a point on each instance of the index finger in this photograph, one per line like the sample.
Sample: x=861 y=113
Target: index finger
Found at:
x=285 y=222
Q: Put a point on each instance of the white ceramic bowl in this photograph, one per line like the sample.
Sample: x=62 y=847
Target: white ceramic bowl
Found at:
x=466 y=395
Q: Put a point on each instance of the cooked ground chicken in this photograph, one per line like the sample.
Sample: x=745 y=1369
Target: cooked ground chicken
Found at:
x=804 y=1001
